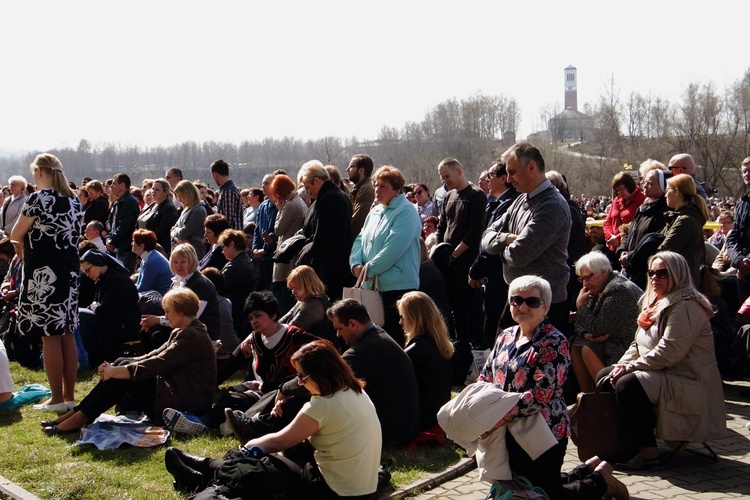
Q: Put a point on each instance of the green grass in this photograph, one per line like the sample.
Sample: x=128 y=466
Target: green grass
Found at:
x=50 y=467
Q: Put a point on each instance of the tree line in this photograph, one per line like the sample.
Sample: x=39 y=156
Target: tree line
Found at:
x=712 y=125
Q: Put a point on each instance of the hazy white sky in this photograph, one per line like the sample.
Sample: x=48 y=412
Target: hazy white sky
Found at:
x=160 y=72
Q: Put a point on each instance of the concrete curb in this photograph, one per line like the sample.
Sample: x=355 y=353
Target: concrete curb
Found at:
x=9 y=489
x=462 y=467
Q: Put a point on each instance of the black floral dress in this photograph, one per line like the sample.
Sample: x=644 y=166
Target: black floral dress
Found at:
x=48 y=304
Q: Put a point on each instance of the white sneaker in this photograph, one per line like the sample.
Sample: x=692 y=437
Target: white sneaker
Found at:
x=183 y=422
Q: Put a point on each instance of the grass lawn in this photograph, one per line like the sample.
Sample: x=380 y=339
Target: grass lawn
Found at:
x=50 y=467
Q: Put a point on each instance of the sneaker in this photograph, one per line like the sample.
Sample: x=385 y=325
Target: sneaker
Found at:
x=241 y=426
x=183 y=423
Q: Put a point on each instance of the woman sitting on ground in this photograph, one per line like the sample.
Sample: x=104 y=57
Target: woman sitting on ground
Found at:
x=309 y=313
x=532 y=359
x=154 y=273
x=113 y=317
x=183 y=262
x=430 y=349
x=269 y=347
x=668 y=378
x=339 y=421
x=607 y=310
x=180 y=373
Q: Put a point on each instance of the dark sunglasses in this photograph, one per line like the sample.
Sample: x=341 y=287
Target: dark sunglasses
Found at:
x=659 y=273
x=418 y=192
x=532 y=302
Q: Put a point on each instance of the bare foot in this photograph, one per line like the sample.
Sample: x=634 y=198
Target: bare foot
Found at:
x=615 y=488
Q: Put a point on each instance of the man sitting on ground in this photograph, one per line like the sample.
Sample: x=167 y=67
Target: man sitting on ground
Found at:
x=375 y=357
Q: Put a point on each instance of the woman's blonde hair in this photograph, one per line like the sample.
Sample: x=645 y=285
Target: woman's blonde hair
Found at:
x=685 y=184
x=182 y=300
x=186 y=251
x=52 y=166
x=188 y=190
x=310 y=170
x=421 y=316
x=680 y=287
x=649 y=165
x=308 y=281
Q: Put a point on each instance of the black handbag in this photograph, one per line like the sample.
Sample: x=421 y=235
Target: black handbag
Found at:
x=596 y=426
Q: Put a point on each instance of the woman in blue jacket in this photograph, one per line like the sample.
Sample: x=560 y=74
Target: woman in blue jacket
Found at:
x=389 y=243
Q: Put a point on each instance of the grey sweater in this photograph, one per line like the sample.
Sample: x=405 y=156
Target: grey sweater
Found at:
x=542 y=223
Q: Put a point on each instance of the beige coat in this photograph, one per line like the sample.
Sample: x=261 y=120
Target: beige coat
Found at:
x=691 y=404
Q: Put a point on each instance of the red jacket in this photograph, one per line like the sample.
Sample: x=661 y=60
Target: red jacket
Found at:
x=621 y=212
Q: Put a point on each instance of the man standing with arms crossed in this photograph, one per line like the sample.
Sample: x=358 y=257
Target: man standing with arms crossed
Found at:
x=532 y=236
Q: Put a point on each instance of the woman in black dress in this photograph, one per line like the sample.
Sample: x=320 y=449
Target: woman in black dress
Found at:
x=47 y=232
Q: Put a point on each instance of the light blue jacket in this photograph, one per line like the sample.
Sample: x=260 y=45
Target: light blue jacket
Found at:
x=389 y=242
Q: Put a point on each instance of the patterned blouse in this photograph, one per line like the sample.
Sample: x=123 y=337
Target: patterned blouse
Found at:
x=538 y=369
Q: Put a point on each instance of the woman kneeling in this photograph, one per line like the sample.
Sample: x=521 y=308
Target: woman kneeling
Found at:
x=179 y=374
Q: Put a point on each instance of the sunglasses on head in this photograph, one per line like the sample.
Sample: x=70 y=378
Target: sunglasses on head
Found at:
x=532 y=302
x=659 y=273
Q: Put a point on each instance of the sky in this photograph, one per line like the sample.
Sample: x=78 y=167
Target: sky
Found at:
x=151 y=73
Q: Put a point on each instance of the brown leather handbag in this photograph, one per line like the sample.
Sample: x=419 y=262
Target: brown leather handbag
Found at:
x=596 y=428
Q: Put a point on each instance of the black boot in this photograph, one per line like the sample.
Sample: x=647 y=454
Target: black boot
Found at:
x=186 y=478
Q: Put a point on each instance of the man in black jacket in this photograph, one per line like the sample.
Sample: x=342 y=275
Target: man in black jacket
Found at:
x=122 y=222
x=375 y=357
x=488 y=269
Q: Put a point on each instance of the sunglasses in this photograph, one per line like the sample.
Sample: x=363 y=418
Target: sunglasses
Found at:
x=532 y=302
x=659 y=273
x=418 y=192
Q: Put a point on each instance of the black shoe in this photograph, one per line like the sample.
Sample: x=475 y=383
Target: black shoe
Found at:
x=48 y=423
x=241 y=426
x=185 y=478
x=56 y=431
x=199 y=464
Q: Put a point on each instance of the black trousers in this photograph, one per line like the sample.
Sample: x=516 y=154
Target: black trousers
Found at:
x=637 y=410
x=140 y=396
x=545 y=472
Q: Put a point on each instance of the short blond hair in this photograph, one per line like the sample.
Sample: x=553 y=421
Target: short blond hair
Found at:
x=182 y=300
x=311 y=170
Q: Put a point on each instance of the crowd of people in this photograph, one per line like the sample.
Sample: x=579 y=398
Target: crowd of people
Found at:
x=564 y=290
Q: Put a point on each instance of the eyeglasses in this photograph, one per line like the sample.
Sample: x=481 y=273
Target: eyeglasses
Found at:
x=586 y=277
x=86 y=270
x=674 y=167
x=532 y=302
x=659 y=273
x=302 y=378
